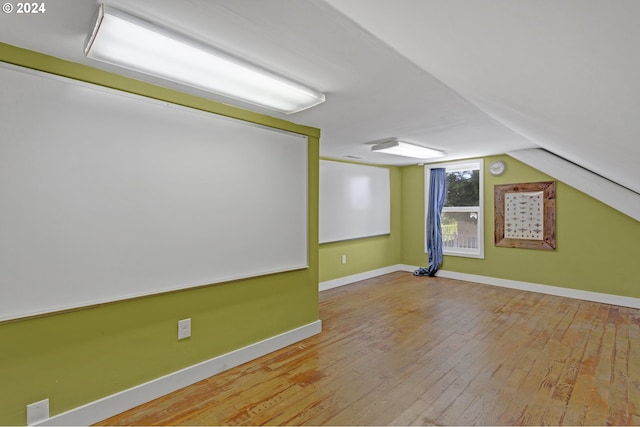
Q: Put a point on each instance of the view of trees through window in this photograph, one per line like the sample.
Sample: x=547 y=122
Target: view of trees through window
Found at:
x=463 y=188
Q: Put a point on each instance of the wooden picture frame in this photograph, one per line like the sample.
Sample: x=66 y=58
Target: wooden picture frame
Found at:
x=525 y=215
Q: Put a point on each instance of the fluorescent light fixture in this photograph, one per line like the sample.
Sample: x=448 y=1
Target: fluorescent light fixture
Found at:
x=130 y=42
x=406 y=149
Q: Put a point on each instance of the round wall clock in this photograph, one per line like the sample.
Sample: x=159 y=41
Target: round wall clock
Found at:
x=497 y=168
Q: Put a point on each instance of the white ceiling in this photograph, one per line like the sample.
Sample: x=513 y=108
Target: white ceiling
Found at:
x=471 y=77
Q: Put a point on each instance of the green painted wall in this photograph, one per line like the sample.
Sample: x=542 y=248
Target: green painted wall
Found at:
x=413 y=229
x=80 y=356
x=370 y=253
x=596 y=245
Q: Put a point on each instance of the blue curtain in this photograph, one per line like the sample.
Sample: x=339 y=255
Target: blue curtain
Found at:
x=437 y=194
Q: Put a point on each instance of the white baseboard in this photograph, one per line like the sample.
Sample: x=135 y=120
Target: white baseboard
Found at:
x=408 y=268
x=112 y=405
x=545 y=289
x=494 y=281
x=341 y=281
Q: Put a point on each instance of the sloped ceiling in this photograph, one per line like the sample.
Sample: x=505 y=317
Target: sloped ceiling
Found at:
x=562 y=73
x=471 y=77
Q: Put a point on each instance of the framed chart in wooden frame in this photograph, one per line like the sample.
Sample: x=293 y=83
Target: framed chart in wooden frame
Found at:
x=525 y=215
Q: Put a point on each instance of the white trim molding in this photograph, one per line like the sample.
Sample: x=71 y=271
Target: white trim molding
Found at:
x=544 y=289
x=341 y=281
x=505 y=283
x=112 y=405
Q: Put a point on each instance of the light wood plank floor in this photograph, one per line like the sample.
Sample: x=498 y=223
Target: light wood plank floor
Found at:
x=405 y=350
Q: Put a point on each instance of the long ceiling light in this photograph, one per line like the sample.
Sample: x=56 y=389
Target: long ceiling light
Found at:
x=400 y=148
x=127 y=41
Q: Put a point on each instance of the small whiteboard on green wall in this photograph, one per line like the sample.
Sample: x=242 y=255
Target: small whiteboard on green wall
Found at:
x=354 y=201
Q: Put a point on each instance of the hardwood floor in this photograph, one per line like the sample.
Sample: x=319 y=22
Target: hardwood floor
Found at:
x=405 y=350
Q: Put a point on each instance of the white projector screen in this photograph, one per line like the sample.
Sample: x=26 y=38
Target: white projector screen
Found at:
x=354 y=201
x=108 y=196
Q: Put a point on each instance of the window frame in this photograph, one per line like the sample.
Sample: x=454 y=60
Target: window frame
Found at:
x=453 y=167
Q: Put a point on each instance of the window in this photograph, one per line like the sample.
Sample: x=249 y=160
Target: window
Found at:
x=462 y=215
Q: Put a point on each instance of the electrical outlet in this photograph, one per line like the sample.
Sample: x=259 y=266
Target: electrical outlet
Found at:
x=37 y=411
x=184 y=328
x=344 y=259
